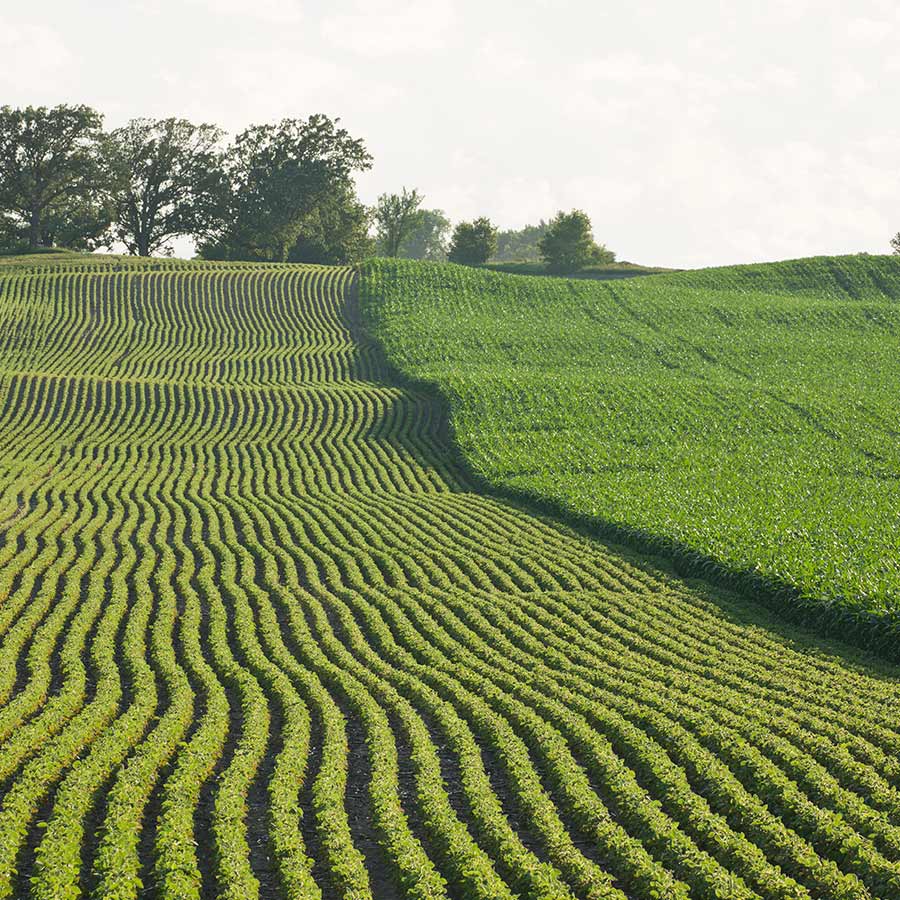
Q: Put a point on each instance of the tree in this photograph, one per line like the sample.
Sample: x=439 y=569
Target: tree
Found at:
x=473 y=243
x=569 y=244
x=520 y=246
x=79 y=223
x=275 y=176
x=394 y=216
x=10 y=234
x=336 y=232
x=170 y=182
x=427 y=237
x=895 y=243
x=52 y=173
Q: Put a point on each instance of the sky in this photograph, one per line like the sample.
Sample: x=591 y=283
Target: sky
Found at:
x=693 y=134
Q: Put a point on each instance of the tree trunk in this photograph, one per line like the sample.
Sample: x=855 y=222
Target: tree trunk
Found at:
x=34 y=230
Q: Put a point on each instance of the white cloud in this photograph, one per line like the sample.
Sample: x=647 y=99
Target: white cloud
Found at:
x=31 y=56
x=379 y=28
x=874 y=30
x=628 y=68
x=283 y=12
x=849 y=84
x=694 y=134
x=274 y=84
x=503 y=57
x=256 y=86
x=779 y=77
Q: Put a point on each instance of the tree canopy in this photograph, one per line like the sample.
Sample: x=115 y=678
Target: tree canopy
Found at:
x=895 y=242
x=55 y=181
x=275 y=176
x=473 y=243
x=521 y=245
x=568 y=244
x=427 y=237
x=395 y=215
x=335 y=232
x=278 y=192
x=405 y=229
x=170 y=182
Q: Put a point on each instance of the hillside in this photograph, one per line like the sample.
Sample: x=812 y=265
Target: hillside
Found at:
x=743 y=420
x=262 y=636
x=602 y=272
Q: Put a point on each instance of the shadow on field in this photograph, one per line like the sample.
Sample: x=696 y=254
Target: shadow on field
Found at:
x=862 y=640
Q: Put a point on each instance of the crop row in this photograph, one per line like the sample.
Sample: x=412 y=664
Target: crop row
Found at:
x=232 y=552
x=730 y=418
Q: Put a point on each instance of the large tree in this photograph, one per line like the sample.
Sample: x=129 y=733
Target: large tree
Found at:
x=53 y=173
x=276 y=176
x=895 y=242
x=10 y=233
x=473 y=243
x=79 y=222
x=170 y=182
x=395 y=215
x=568 y=244
x=427 y=236
x=336 y=232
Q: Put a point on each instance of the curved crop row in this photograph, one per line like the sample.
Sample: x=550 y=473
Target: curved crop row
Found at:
x=260 y=636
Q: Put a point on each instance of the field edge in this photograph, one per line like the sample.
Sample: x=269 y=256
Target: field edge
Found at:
x=865 y=632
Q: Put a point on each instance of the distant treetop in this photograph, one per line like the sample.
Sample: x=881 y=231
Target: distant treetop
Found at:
x=473 y=243
x=568 y=244
x=395 y=215
x=54 y=177
x=521 y=245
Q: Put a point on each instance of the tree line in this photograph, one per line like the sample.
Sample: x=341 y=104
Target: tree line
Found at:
x=277 y=192
x=281 y=192
x=404 y=228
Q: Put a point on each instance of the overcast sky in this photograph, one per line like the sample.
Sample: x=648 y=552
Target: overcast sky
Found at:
x=693 y=133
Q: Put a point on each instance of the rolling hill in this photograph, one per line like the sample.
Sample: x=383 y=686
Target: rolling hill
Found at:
x=263 y=635
x=741 y=420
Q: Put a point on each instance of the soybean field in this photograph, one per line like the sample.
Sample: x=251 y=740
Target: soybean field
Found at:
x=263 y=636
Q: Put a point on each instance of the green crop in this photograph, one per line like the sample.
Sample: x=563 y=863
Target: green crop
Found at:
x=262 y=635
x=743 y=420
